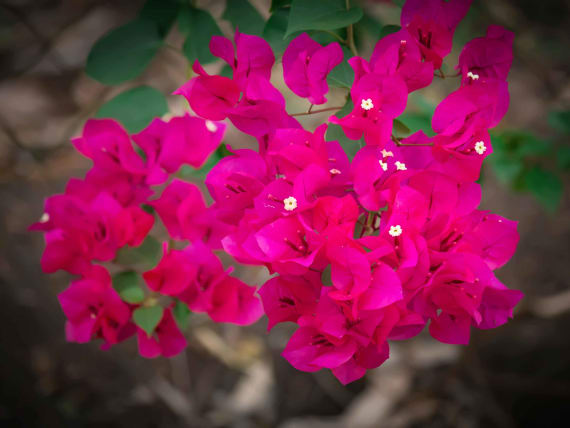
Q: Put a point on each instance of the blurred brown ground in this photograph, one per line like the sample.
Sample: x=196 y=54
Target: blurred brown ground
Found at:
x=514 y=376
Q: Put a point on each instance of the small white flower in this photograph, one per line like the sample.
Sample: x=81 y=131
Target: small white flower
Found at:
x=334 y=171
x=290 y=203
x=44 y=218
x=383 y=165
x=386 y=153
x=395 y=230
x=212 y=127
x=400 y=166
x=367 y=104
x=473 y=75
x=480 y=147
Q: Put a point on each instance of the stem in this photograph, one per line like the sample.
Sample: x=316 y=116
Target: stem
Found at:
x=310 y=108
x=400 y=144
x=350 y=34
x=316 y=111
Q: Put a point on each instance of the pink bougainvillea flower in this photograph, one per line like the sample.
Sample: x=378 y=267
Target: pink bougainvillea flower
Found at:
x=93 y=308
x=364 y=359
x=166 y=339
x=377 y=100
x=189 y=140
x=78 y=231
x=286 y=298
x=211 y=97
x=398 y=53
x=487 y=58
x=468 y=110
x=432 y=23
x=234 y=301
x=173 y=274
x=183 y=211
x=306 y=65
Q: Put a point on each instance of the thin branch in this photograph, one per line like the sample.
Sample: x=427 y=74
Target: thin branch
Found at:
x=317 y=111
x=350 y=34
x=400 y=144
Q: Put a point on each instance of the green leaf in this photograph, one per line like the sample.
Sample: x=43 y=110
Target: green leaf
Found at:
x=400 y=129
x=145 y=255
x=274 y=31
x=244 y=17
x=506 y=169
x=162 y=12
x=226 y=71
x=127 y=284
x=326 y=277
x=370 y=25
x=342 y=76
x=335 y=133
x=135 y=108
x=389 y=29
x=545 y=186
x=276 y=4
x=560 y=120
x=148 y=317
x=418 y=122
x=124 y=52
x=563 y=157
x=181 y=314
x=199 y=27
x=321 y=15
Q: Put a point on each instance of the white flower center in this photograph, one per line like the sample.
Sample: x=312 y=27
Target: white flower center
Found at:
x=212 y=127
x=395 y=230
x=383 y=165
x=480 y=147
x=386 y=153
x=473 y=75
x=290 y=203
x=334 y=171
x=400 y=166
x=44 y=218
x=367 y=104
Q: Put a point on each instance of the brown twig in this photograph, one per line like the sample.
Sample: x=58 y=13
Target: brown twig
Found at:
x=316 y=111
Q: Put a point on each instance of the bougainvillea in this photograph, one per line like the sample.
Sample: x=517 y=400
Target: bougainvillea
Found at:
x=362 y=250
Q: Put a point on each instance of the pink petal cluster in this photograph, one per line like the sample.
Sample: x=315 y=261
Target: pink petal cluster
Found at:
x=362 y=252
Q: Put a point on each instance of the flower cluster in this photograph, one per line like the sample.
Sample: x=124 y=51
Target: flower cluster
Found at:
x=361 y=251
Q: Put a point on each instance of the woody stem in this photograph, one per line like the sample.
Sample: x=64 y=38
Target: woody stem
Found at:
x=350 y=34
x=316 y=111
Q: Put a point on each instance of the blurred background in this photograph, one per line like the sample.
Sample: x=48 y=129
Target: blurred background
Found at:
x=515 y=376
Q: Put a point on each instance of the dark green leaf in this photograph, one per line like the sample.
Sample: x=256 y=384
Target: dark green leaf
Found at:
x=244 y=17
x=342 y=76
x=276 y=4
x=321 y=15
x=124 y=53
x=335 y=133
x=326 y=278
x=162 y=12
x=400 y=129
x=135 y=108
x=563 y=158
x=417 y=122
x=389 y=29
x=145 y=255
x=545 y=186
x=127 y=284
x=226 y=71
x=274 y=31
x=181 y=314
x=198 y=26
x=148 y=317
x=506 y=169
x=560 y=120
x=370 y=25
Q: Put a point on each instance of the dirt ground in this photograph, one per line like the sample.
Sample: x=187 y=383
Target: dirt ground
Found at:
x=515 y=376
